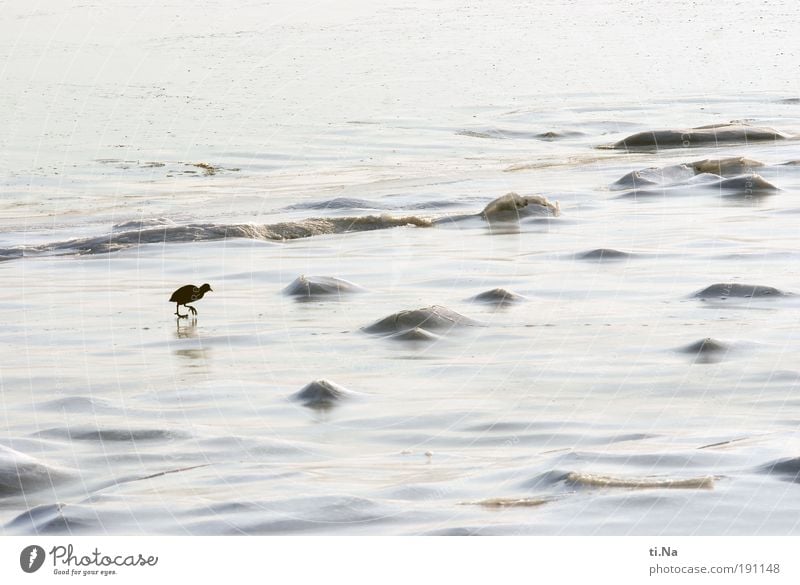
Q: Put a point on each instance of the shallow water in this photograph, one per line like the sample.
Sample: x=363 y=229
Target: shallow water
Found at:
x=592 y=404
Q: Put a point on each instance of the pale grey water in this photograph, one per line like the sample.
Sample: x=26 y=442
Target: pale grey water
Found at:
x=413 y=109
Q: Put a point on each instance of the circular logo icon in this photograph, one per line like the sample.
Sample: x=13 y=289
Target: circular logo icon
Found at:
x=31 y=558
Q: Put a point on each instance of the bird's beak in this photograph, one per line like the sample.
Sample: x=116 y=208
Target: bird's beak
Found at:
x=210 y=289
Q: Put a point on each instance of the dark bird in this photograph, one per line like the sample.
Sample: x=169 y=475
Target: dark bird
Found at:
x=188 y=294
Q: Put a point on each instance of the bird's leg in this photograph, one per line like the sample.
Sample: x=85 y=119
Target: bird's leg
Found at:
x=178 y=312
x=192 y=309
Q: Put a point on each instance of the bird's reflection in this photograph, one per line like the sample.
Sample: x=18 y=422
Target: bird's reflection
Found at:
x=185 y=329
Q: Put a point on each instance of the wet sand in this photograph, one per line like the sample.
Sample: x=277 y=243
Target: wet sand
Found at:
x=380 y=355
